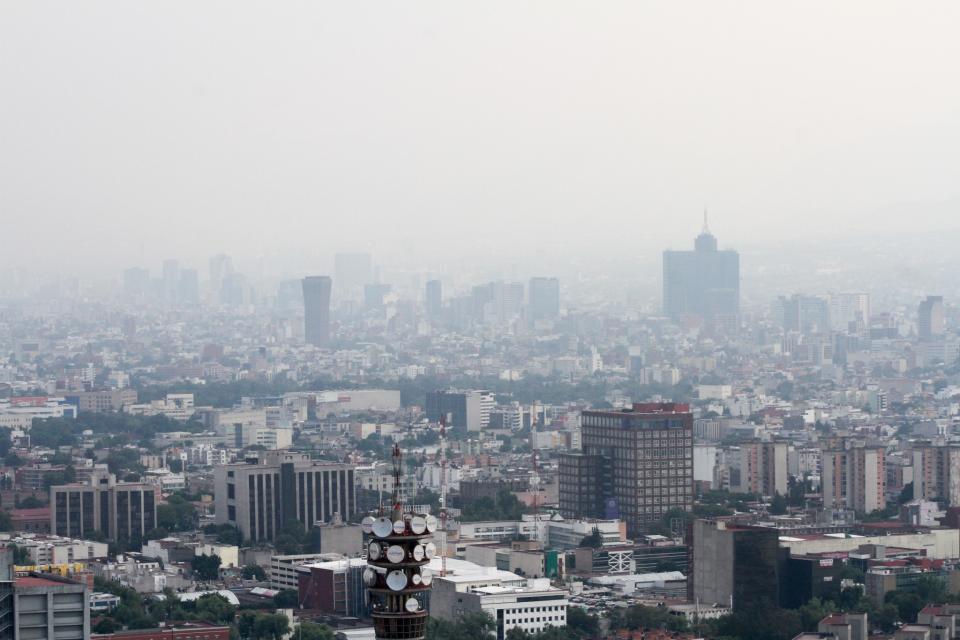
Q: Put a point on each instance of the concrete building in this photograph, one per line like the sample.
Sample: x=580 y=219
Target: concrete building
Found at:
x=104 y=401
x=264 y=496
x=854 y=477
x=930 y=324
x=119 y=510
x=46 y=607
x=635 y=465
x=333 y=587
x=735 y=565
x=45 y=549
x=936 y=472
x=762 y=468
x=316 y=305
x=469 y=410
x=512 y=601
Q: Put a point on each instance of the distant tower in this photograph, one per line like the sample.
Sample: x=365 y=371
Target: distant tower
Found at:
x=930 y=318
x=396 y=576
x=703 y=283
x=434 y=298
x=316 y=304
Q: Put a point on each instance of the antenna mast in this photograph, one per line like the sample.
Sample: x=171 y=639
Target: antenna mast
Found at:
x=535 y=475
x=443 y=495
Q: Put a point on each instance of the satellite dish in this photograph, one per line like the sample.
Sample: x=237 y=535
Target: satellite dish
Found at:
x=395 y=554
x=418 y=552
x=418 y=524
x=397 y=580
x=426 y=575
x=399 y=527
x=382 y=527
x=369 y=577
x=416 y=579
x=429 y=550
x=411 y=605
x=374 y=551
x=431 y=523
x=367 y=524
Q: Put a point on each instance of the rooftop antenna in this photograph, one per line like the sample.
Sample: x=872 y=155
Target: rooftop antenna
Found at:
x=706 y=228
x=535 y=475
x=443 y=494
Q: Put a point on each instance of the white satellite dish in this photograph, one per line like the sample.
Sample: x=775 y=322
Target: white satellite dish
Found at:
x=369 y=577
x=416 y=579
x=374 y=551
x=411 y=605
x=418 y=552
x=397 y=580
x=418 y=524
x=431 y=523
x=399 y=527
x=429 y=550
x=395 y=554
x=367 y=524
x=426 y=575
x=382 y=527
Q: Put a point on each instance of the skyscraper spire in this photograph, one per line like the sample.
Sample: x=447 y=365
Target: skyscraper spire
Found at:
x=706 y=228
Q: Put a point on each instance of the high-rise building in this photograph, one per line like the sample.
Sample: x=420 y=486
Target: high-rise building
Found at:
x=188 y=292
x=434 y=299
x=805 y=314
x=850 y=312
x=221 y=266
x=118 y=510
x=468 y=410
x=316 y=304
x=735 y=565
x=763 y=468
x=351 y=271
x=936 y=473
x=544 y=298
x=930 y=318
x=703 y=283
x=136 y=283
x=171 y=281
x=48 y=607
x=854 y=477
x=264 y=496
x=374 y=295
x=635 y=464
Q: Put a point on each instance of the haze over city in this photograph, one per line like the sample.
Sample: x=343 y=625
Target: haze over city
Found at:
x=479 y=321
x=149 y=131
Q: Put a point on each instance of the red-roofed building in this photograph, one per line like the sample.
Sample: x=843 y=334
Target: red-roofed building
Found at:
x=31 y=520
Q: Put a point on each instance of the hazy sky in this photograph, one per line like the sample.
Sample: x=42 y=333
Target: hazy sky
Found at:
x=133 y=131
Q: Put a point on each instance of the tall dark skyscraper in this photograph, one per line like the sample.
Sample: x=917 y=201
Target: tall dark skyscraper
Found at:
x=434 y=298
x=544 y=298
x=703 y=283
x=316 y=305
x=636 y=464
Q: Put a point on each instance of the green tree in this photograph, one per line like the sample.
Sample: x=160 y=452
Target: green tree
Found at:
x=286 y=599
x=271 y=625
x=594 y=540
x=310 y=631
x=579 y=621
x=206 y=567
x=253 y=572
x=215 y=608
x=778 y=506
x=105 y=625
